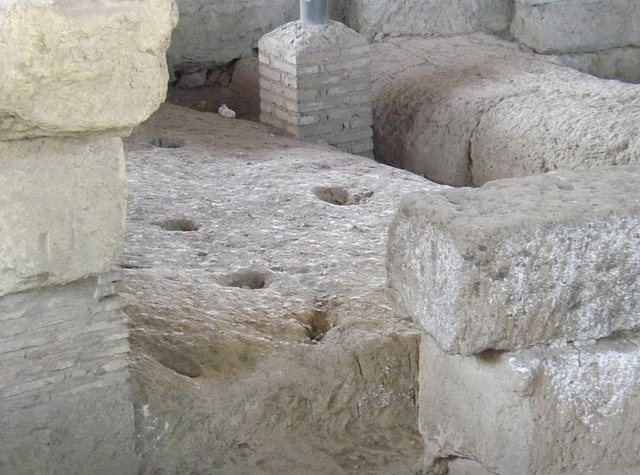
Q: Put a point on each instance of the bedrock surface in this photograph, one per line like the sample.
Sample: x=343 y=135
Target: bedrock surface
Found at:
x=262 y=340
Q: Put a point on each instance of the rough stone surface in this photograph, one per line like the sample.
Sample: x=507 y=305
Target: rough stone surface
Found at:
x=262 y=340
x=72 y=68
x=218 y=32
x=519 y=263
x=315 y=83
x=616 y=63
x=377 y=18
x=568 y=409
x=65 y=404
x=500 y=112
x=552 y=26
x=63 y=210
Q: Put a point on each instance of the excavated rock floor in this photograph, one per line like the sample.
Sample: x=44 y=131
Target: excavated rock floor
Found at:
x=261 y=337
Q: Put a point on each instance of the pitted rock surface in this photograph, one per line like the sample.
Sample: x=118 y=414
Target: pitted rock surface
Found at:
x=262 y=340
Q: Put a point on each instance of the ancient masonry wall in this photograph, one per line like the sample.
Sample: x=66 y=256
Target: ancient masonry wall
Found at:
x=315 y=83
x=527 y=293
x=65 y=402
x=64 y=398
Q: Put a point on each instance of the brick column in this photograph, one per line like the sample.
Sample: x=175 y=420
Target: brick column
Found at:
x=315 y=83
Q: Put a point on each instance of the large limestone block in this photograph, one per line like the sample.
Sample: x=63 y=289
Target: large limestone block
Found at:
x=62 y=210
x=467 y=110
x=378 y=18
x=617 y=63
x=218 y=32
x=518 y=263
x=72 y=68
x=542 y=411
x=553 y=26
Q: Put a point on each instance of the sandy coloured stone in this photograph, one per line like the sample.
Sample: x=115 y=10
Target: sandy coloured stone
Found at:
x=63 y=210
x=552 y=26
x=520 y=263
x=81 y=68
x=492 y=116
x=548 y=410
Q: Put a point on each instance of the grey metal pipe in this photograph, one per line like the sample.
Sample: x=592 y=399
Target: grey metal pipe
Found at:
x=314 y=12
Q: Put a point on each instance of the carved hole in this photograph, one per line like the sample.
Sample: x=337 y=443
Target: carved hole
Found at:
x=177 y=225
x=337 y=195
x=179 y=363
x=315 y=322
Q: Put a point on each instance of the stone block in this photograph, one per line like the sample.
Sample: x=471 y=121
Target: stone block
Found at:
x=466 y=110
x=221 y=31
x=426 y=17
x=77 y=68
x=547 y=411
x=63 y=210
x=65 y=402
x=519 y=263
x=550 y=26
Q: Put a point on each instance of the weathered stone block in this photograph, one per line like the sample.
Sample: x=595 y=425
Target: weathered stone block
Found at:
x=77 y=68
x=518 y=263
x=551 y=411
x=65 y=403
x=616 y=63
x=426 y=17
x=551 y=26
x=63 y=210
x=465 y=110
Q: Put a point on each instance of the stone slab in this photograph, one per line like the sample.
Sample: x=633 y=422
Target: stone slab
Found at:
x=567 y=409
x=63 y=210
x=77 y=68
x=311 y=224
x=378 y=18
x=575 y=26
x=65 y=402
x=500 y=112
x=519 y=263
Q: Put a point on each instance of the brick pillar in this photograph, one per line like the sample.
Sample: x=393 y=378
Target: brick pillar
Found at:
x=315 y=83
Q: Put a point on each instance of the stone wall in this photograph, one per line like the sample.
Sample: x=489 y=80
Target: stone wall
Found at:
x=526 y=292
x=601 y=37
x=75 y=77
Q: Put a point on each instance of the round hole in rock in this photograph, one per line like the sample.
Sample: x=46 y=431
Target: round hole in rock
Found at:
x=181 y=364
x=177 y=225
x=250 y=279
x=337 y=195
x=163 y=142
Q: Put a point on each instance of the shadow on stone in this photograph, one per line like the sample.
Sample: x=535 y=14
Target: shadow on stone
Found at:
x=180 y=363
x=250 y=279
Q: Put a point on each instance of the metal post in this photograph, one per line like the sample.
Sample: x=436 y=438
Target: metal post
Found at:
x=314 y=12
